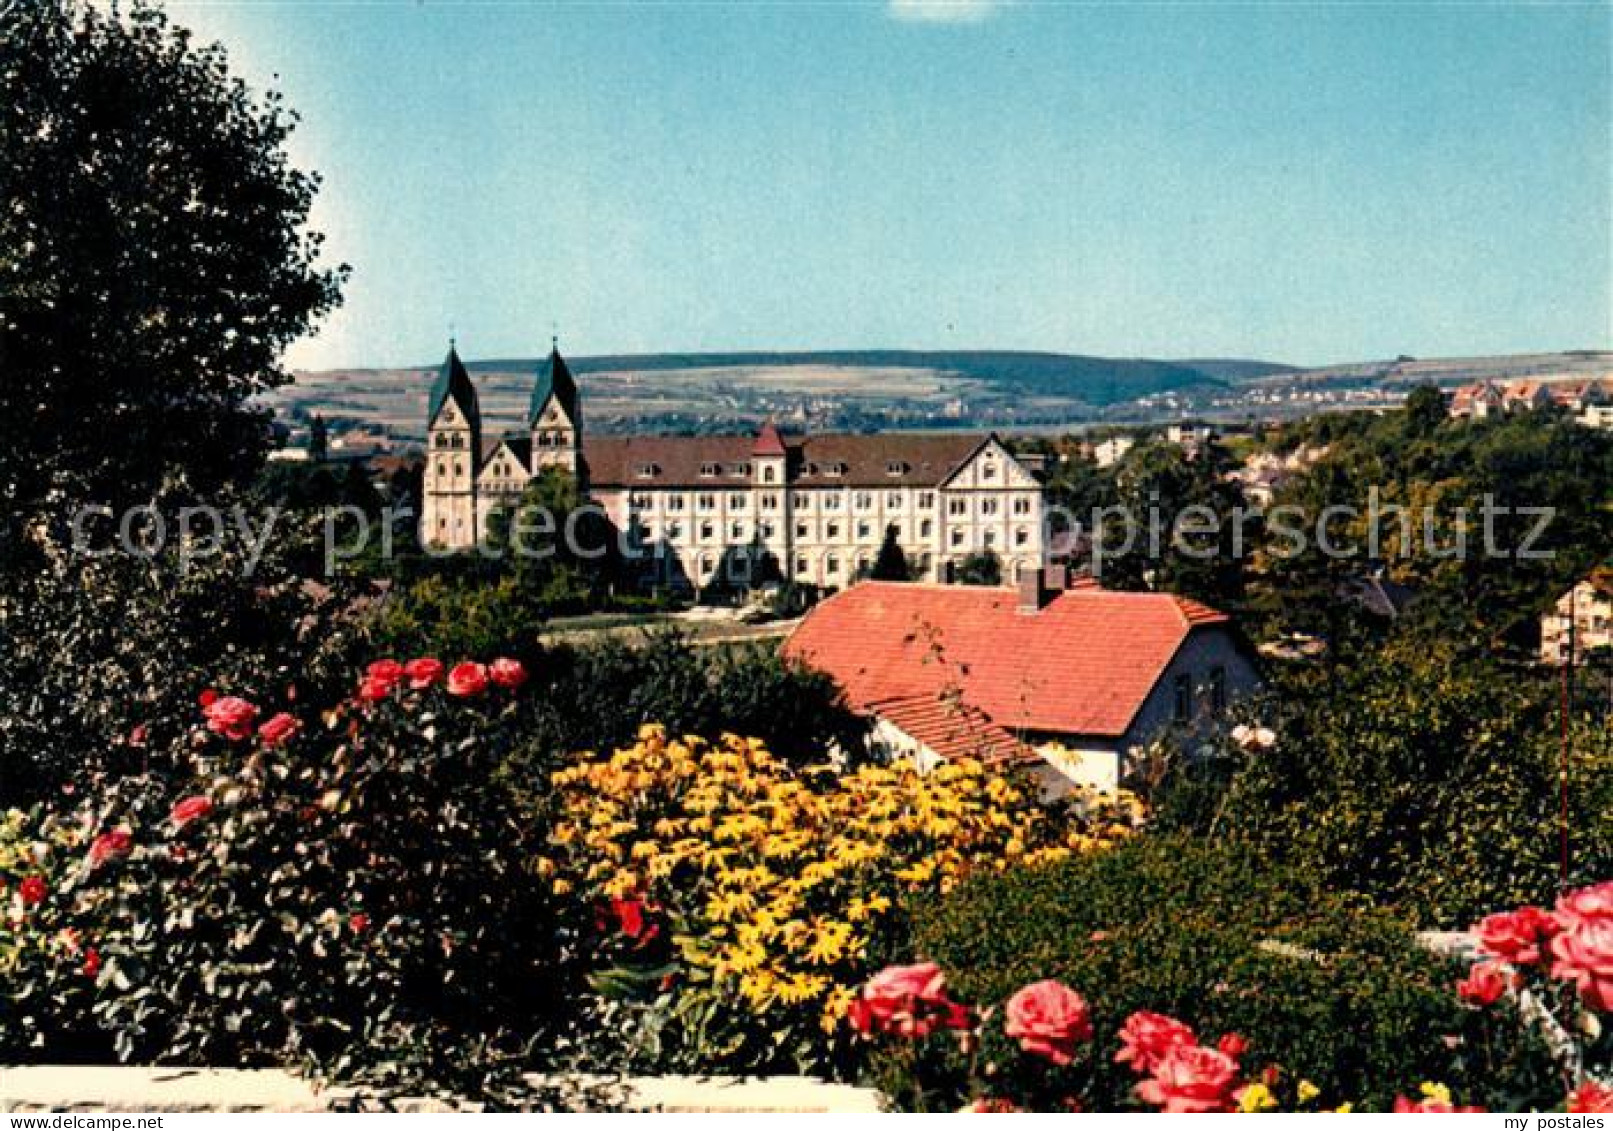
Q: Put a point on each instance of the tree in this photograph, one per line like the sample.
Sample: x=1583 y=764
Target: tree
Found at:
x=318 y=439
x=154 y=259
x=891 y=564
x=980 y=568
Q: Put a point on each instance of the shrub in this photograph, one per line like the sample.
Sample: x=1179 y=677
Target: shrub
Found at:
x=1322 y=985
x=744 y=899
x=347 y=892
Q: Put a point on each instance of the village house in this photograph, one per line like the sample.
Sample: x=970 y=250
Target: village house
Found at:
x=1066 y=680
x=1580 y=622
x=1589 y=401
x=738 y=511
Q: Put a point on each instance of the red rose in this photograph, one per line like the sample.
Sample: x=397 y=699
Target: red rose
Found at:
x=1233 y=1045
x=1191 y=1079
x=1591 y=1098
x=137 y=736
x=110 y=846
x=1516 y=936
x=907 y=1000
x=358 y=922
x=629 y=915
x=467 y=680
x=207 y=698
x=190 y=809
x=1146 y=1037
x=1431 y=1104
x=423 y=673
x=1049 y=1019
x=1485 y=983
x=279 y=730
x=92 y=962
x=507 y=673
x=388 y=671
x=32 y=891
x=232 y=717
x=372 y=690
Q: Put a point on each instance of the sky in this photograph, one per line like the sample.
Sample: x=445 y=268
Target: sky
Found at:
x=1307 y=183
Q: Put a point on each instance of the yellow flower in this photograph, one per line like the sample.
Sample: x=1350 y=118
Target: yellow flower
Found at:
x=1439 y=1093
x=1307 y=1091
x=1256 y=1097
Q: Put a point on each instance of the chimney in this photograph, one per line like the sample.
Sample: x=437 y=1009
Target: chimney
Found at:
x=1038 y=587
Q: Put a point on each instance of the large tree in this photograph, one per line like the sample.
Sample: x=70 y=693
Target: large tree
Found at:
x=154 y=258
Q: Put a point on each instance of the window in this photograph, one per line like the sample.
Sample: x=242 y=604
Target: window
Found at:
x=768 y=531
x=865 y=529
x=801 y=566
x=893 y=499
x=832 y=565
x=770 y=502
x=988 y=471
x=895 y=467
x=1022 y=505
x=707 y=563
x=706 y=530
x=709 y=471
x=926 y=528
x=831 y=531
x=1183 y=689
x=926 y=500
x=1022 y=537
x=1218 y=688
x=737 y=500
x=674 y=502
x=803 y=501
x=736 y=531
x=989 y=540
x=674 y=531
x=769 y=474
x=835 y=470
x=647 y=470
x=706 y=502
x=988 y=506
x=957 y=507
x=802 y=530
x=957 y=538
x=739 y=470
x=863 y=501
x=459 y=467
x=831 y=502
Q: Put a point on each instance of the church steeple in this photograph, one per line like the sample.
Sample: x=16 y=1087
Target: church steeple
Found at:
x=453 y=383
x=555 y=416
x=453 y=457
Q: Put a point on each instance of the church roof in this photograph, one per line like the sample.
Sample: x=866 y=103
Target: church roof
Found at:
x=452 y=382
x=768 y=442
x=825 y=460
x=554 y=378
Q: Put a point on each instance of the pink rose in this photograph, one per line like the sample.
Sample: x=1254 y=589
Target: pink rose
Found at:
x=1049 y=1019
x=1485 y=983
x=467 y=680
x=1191 y=1079
x=279 y=730
x=423 y=673
x=1591 y=1098
x=232 y=717
x=1516 y=936
x=507 y=673
x=1583 y=954
x=190 y=809
x=1146 y=1037
x=910 y=1001
x=111 y=846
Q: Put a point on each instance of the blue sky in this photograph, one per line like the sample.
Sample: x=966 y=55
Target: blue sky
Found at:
x=1302 y=182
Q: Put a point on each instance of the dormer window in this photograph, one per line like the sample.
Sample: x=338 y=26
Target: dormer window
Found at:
x=647 y=470
x=740 y=470
x=896 y=467
x=835 y=470
x=709 y=471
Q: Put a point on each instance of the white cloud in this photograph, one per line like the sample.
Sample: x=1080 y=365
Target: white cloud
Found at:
x=945 y=11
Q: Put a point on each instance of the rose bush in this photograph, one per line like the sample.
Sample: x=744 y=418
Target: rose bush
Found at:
x=347 y=892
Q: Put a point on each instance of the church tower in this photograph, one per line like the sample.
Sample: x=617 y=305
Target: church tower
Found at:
x=555 y=417
x=453 y=451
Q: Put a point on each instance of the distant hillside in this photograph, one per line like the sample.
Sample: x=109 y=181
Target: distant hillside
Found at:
x=1236 y=369
x=1093 y=380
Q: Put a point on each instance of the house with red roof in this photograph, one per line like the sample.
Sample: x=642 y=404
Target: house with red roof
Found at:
x=1066 y=680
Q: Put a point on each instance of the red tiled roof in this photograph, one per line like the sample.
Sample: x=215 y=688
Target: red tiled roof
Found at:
x=890 y=459
x=952 y=729
x=1082 y=665
x=768 y=442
